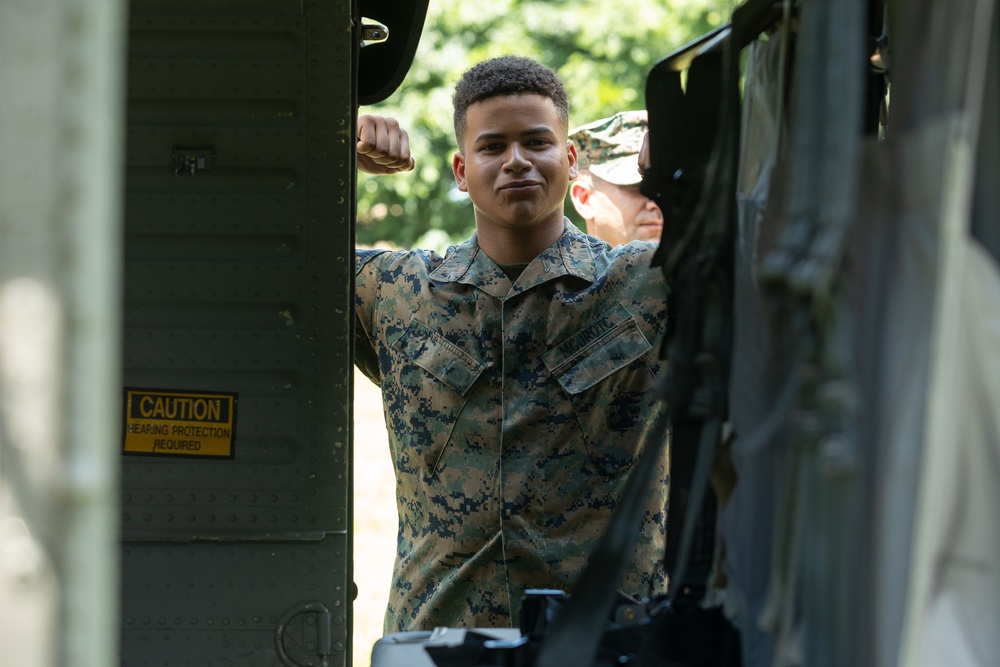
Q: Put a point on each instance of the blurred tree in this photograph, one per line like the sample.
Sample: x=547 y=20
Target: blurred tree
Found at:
x=602 y=49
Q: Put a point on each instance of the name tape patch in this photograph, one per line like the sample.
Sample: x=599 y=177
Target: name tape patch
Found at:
x=180 y=423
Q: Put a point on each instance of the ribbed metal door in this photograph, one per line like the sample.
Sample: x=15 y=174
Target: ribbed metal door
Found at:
x=237 y=289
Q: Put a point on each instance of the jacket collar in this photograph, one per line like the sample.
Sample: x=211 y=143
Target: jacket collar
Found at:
x=467 y=263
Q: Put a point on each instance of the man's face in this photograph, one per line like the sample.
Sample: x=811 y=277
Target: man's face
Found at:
x=620 y=213
x=515 y=163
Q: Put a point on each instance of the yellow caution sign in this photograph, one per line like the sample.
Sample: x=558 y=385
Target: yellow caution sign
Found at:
x=180 y=423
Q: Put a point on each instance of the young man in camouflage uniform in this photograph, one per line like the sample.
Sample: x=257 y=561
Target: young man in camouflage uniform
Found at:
x=516 y=370
x=606 y=193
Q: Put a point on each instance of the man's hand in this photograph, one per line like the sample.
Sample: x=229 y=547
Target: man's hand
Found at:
x=383 y=146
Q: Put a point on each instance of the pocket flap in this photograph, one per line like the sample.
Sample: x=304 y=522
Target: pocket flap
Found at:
x=439 y=356
x=607 y=344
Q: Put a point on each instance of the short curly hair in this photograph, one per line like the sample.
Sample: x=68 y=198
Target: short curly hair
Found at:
x=506 y=75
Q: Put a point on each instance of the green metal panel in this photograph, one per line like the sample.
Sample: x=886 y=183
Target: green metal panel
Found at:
x=238 y=267
x=204 y=603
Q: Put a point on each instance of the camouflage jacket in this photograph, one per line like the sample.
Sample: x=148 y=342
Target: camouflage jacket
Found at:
x=514 y=412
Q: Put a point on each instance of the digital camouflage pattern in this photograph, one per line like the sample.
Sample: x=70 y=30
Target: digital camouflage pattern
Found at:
x=513 y=413
x=609 y=147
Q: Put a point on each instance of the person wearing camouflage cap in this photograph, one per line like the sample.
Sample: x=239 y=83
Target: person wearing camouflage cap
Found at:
x=516 y=370
x=606 y=193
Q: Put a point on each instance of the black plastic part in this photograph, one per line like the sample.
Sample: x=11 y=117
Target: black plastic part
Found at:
x=382 y=67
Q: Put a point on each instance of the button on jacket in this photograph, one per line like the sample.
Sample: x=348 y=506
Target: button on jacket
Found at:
x=514 y=412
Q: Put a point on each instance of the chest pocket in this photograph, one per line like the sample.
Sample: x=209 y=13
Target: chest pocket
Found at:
x=424 y=411
x=603 y=372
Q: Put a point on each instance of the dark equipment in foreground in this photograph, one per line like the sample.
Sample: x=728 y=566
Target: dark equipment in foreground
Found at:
x=834 y=298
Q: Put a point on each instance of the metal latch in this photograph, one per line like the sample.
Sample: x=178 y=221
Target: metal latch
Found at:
x=373 y=33
x=190 y=160
x=304 y=636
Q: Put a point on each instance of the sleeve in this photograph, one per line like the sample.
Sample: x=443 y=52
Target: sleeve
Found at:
x=366 y=289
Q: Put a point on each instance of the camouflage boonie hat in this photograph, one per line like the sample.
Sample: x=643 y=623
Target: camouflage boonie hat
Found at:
x=609 y=147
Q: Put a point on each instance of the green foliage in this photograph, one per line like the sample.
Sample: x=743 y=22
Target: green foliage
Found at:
x=602 y=49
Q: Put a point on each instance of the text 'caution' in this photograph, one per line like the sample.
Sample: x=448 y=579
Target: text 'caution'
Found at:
x=180 y=423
